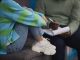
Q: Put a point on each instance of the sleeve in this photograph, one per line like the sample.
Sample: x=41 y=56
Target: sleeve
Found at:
x=13 y=11
x=75 y=17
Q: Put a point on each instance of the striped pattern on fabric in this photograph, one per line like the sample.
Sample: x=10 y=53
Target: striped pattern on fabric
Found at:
x=11 y=13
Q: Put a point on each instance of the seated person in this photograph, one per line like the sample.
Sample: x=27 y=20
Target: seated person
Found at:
x=65 y=13
x=14 y=24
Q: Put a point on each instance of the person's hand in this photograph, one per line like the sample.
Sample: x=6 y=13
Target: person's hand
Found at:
x=65 y=35
x=53 y=25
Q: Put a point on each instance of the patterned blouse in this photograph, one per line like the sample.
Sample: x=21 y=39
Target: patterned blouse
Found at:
x=11 y=13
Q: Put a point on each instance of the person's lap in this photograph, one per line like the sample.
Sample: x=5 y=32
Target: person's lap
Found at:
x=22 y=31
x=74 y=41
x=60 y=46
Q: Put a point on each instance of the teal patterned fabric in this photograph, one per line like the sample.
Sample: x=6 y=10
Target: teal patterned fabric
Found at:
x=11 y=13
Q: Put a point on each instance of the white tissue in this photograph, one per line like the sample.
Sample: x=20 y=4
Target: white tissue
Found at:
x=61 y=30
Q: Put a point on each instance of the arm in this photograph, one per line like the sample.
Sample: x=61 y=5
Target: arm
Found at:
x=75 y=17
x=14 y=12
x=41 y=7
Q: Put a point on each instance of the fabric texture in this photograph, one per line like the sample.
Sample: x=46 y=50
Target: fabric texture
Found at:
x=22 y=31
x=66 y=12
x=12 y=13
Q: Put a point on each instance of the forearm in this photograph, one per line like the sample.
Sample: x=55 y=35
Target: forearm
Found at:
x=15 y=12
x=74 y=26
x=75 y=17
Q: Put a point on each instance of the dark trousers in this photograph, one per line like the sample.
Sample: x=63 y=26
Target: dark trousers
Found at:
x=74 y=41
x=60 y=47
x=60 y=43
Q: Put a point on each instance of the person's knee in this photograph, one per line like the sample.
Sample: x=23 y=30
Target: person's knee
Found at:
x=59 y=43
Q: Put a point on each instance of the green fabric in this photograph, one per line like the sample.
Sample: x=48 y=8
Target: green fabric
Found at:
x=12 y=13
x=5 y=32
x=65 y=12
x=6 y=7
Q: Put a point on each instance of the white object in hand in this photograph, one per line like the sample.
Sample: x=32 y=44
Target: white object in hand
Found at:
x=61 y=30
